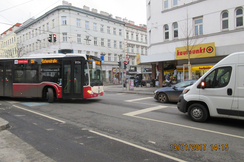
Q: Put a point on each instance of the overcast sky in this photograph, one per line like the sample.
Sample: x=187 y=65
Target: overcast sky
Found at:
x=17 y=11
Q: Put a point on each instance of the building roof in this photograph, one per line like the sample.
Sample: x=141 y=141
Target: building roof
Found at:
x=76 y=9
x=11 y=28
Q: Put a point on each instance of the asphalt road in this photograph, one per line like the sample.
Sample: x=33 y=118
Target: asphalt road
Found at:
x=121 y=127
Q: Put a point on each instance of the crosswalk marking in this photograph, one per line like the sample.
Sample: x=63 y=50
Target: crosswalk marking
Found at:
x=138 y=99
x=133 y=113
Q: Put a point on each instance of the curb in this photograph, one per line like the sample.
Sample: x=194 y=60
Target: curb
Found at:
x=3 y=124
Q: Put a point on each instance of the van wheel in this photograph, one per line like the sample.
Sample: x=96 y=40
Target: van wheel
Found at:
x=198 y=112
x=50 y=96
x=162 y=97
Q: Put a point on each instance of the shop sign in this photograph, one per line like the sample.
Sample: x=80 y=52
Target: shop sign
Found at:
x=138 y=59
x=133 y=69
x=196 y=68
x=196 y=51
x=147 y=70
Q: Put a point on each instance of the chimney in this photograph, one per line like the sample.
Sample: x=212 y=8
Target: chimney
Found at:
x=125 y=20
x=65 y=3
x=118 y=18
x=94 y=10
x=86 y=8
x=131 y=22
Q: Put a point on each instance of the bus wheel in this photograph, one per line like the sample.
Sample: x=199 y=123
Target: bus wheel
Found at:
x=50 y=96
x=198 y=112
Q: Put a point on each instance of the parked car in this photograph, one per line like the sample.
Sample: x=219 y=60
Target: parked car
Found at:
x=171 y=94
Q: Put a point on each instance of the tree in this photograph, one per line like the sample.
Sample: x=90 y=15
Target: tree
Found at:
x=191 y=41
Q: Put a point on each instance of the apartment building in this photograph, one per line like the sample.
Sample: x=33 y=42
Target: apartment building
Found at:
x=210 y=29
x=8 y=42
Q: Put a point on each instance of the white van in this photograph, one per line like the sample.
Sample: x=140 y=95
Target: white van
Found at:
x=218 y=93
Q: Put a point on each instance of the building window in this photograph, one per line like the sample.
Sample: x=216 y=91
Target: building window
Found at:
x=225 y=20
x=198 y=26
x=132 y=37
x=109 y=43
x=87 y=40
x=115 y=57
x=141 y=38
x=239 y=17
x=53 y=21
x=108 y=29
x=132 y=49
x=64 y=37
x=43 y=28
x=47 y=26
x=175 y=2
x=29 y=35
x=87 y=24
x=95 y=40
x=102 y=41
x=101 y=28
x=120 y=32
x=146 y=51
x=127 y=35
x=40 y=30
x=133 y=61
x=79 y=51
x=166 y=5
x=114 y=31
x=78 y=38
x=146 y=39
x=120 y=45
x=109 y=57
x=137 y=38
x=175 y=26
x=95 y=26
x=78 y=22
x=115 y=44
x=64 y=21
x=142 y=50
x=166 y=32
x=44 y=43
x=36 y=32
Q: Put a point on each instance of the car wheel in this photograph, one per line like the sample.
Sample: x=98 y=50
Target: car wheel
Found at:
x=198 y=112
x=162 y=97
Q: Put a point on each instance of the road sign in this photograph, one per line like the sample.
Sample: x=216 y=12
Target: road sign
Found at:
x=127 y=57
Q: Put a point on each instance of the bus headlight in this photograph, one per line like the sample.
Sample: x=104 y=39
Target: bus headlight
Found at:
x=90 y=92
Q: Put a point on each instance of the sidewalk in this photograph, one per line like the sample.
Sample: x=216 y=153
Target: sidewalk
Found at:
x=137 y=90
x=13 y=149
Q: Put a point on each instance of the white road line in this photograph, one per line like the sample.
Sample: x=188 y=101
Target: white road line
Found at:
x=138 y=99
x=185 y=126
x=137 y=146
x=12 y=102
x=39 y=114
x=133 y=113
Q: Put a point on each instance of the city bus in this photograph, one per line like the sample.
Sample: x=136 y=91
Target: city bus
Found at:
x=51 y=76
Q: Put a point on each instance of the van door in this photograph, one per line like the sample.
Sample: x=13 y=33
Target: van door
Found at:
x=219 y=91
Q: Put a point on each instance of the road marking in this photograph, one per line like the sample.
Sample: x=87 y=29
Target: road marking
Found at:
x=31 y=104
x=138 y=99
x=137 y=146
x=133 y=113
x=190 y=127
x=39 y=114
x=12 y=102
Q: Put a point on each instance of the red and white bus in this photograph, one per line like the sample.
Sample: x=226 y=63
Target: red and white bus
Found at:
x=52 y=76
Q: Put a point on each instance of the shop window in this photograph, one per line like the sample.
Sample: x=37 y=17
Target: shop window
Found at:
x=198 y=23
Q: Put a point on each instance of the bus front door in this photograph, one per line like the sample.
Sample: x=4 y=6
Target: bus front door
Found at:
x=6 y=79
x=72 y=79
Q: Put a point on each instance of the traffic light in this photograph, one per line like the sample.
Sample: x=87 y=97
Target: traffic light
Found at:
x=50 y=38
x=119 y=64
x=125 y=64
x=54 y=37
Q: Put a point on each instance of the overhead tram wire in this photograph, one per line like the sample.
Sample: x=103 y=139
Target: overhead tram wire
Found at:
x=16 y=6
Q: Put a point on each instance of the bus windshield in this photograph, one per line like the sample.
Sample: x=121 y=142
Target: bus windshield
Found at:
x=95 y=73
